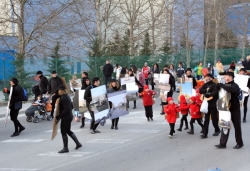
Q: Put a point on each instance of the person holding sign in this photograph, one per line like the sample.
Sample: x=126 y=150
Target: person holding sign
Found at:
x=234 y=110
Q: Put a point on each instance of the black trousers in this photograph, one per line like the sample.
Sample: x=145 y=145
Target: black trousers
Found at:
x=149 y=111
x=13 y=117
x=66 y=127
x=93 y=125
x=245 y=107
x=107 y=80
x=146 y=81
x=115 y=122
x=172 y=131
x=235 y=117
x=184 y=119
x=54 y=98
x=192 y=123
x=214 y=114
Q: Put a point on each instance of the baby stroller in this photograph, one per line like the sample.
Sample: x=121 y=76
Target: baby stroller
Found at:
x=39 y=112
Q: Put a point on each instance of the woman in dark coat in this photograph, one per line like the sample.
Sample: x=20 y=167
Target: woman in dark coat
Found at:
x=17 y=97
x=155 y=70
x=66 y=117
x=113 y=87
x=87 y=83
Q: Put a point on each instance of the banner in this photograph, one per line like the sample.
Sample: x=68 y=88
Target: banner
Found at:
x=8 y=106
x=223 y=101
x=242 y=81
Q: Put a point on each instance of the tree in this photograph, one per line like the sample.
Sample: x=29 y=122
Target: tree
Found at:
x=58 y=64
x=146 y=46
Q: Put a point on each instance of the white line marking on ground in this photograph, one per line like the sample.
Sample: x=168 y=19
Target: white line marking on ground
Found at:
x=23 y=140
x=18 y=169
x=71 y=154
x=109 y=141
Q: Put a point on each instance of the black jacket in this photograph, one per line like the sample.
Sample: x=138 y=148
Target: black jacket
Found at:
x=65 y=108
x=108 y=70
x=84 y=86
x=43 y=84
x=194 y=81
x=17 y=95
x=212 y=92
x=234 y=90
x=87 y=95
x=54 y=84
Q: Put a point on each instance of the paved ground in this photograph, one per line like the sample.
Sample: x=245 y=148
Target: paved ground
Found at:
x=138 y=145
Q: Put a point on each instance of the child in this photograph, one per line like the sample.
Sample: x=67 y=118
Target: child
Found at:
x=171 y=111
x=199 y=98
x=147 y=98
x=184 y=107
x=195 y=114
x=38 y=102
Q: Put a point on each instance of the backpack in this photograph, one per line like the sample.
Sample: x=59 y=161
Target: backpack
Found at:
x=240 y=95
x=25 y=95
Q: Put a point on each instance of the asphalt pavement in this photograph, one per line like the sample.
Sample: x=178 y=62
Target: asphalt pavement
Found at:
x=138 y=145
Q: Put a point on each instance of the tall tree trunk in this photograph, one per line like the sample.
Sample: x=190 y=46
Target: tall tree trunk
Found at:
x=98 y=20
x=244 y=39
x=188 y=46
x=20 y=25
x=153 y=28
x=206 y=43
x=216 y=42
x=131 y=40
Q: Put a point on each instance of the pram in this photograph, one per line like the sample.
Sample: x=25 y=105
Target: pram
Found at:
x=38 y=112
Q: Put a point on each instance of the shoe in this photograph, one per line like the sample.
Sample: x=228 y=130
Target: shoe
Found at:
x=21 y=129
x=186 y=128
x=15 y=134
x=116 y=128
x=220 y=146
x=179 y=129
x=82 y=126
x=201 y=132
x=191 y=132
x=78 y=144
x=92 y=131
x=162 y=113
x=64 y=150
x=170 y=136
x=203 y=136
x=216 y=133
x=152 y=119
x=244 y=120
x=96 y=131
x=134 y=107
x=112 y=127
x=148 y=119
x=238 y=146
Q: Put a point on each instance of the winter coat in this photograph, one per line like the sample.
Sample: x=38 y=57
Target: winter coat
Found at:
x=87 y=95
x=43 y=84
x=180 y=72
x=193 y=80
x=84 y=85
x=54 y=84
x=108 y=70
x=141 y=79
x=17 y=95
x=171 y=111
x=147 y=97
x=212 y=92
x=184 y=107
x=195 y=111
x=65 y=108
x=146 y=71
x=199 y=99
x=219 y=67
x=118 y=72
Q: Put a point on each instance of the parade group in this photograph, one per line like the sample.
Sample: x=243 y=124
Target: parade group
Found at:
x=205 y=83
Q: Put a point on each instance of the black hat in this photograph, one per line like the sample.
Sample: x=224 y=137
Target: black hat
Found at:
x=210 y=75
x=61 y=87
x=230 y=74
x=243 y=69
x=14 y=80
x=53 y=72
x=39 y=72
x=188 y=69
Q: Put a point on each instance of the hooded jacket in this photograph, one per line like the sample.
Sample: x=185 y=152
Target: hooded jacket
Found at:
x=195 y=109
x=17 y=95
x=184 y=107
x=171 y=111
x=147 y=96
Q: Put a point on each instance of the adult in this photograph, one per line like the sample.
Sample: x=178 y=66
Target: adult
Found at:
x=85 y=75
x=43 y=84
x=198 y=71
x=172 y=70
x=246 y=95
x=88 y=98
x=234 y=110
x=66 y=117
x=107 y=72
x=113 y=87
x=188 y=74
x=131 y=74
x=232 y=65
x=180 y=70
x=209 y=90
x=146 y=72
x=219 y=66
x=141 y=79
x=15 y=105
x=155 y=70
x=54 y=83
x=117 y=70
x=86 y=83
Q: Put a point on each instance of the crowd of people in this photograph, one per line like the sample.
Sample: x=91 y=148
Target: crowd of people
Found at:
x=145 y=81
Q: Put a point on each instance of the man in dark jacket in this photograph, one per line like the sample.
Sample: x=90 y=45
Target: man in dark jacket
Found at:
x=54 y=83
x=188 y=74
x=235 y=112
x=43 y=83
x=84 y=76
x=209 y=90
x=88 y=98
x=107 y=72
x=66 y=117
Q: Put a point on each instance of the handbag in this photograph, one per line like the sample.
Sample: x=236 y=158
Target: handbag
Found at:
x=204 y=106
x=18 y=105
x=48 y=107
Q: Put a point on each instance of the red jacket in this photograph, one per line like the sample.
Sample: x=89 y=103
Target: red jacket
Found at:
x=198 y=99
x=171 y=112
x=146 y=71
x=184 y=107
x=147 y=97
x=195 y=111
